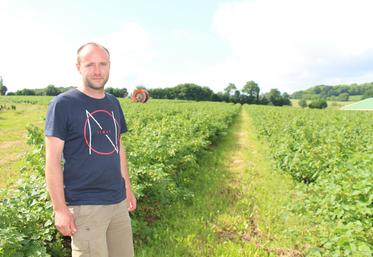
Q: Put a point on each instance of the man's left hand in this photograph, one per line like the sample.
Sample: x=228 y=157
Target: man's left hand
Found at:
x=131 y=200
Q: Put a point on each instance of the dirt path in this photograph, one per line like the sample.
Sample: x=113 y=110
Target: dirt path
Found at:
x=261 y=191
x=234 y=211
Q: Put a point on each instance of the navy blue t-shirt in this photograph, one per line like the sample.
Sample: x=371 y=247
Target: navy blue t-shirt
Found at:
x=91 y=130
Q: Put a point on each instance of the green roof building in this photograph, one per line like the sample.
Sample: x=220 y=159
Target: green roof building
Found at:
x=364 y=105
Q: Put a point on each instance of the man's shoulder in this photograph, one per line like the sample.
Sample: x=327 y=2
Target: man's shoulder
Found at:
x=112 y=98
x=66 y=97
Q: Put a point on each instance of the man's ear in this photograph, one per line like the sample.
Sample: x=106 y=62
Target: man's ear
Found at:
x=77 y=66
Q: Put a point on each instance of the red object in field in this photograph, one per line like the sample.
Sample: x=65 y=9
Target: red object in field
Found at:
x=140 y=96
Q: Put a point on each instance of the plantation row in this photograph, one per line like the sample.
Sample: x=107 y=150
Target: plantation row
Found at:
x=164 y=141
x=331 y=154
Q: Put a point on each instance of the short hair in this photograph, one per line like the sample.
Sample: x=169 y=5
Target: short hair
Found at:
x=91 y=44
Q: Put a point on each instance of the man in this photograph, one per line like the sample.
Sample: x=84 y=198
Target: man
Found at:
x=91 y=197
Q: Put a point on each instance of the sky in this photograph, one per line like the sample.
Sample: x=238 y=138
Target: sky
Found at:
x=285 y=44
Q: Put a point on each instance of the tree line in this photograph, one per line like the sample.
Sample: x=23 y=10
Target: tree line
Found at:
x=249 y=94
x=336 y=93
x=52 y=90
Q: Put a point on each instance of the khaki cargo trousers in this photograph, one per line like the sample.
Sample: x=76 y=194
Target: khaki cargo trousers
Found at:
x=102 y=231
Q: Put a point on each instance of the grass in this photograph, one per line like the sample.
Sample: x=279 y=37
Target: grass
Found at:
x=354 y=98
x=238 y=208
x=273 y=192
x=13 y=137
x=207 y=226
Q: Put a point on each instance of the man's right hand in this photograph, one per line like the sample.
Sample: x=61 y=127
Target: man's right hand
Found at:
x=64 y=221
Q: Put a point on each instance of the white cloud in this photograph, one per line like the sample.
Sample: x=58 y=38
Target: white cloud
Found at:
x=293 y=43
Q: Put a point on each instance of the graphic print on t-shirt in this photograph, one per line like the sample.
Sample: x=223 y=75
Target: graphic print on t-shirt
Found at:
x=101 y=132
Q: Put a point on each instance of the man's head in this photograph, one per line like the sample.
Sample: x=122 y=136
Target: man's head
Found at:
x=93 y=63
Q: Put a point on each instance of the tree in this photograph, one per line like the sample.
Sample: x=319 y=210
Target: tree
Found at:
x=275 y=97
x=297 y=95
x=123 y=92
x=187 y=91
x=224 y=97
x=51 y=90
x=26 y=91
x=318 y=103
x=117 y=92
x=302 y=103
x=230 y=89
x=264 y=99
x=367 y=94
x=3 y=88
x=343 y=97
x=190 y=91
x=235 y=98
x=244 y=99
x=216 y=97
x=157 y=93
x=252 y=89
x=325 y=91
x=286 y=99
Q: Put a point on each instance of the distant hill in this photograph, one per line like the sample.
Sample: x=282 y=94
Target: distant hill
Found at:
x=337 y=92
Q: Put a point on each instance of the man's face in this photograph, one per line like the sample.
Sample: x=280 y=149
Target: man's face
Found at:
x=94 y=66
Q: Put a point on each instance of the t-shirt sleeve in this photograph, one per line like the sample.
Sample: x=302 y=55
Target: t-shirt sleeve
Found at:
x=56 y=120
x=123 y=124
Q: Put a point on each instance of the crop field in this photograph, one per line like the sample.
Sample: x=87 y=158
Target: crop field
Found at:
x=327 y=155
x=330 y=154
x=164 y=141
x=13 y=122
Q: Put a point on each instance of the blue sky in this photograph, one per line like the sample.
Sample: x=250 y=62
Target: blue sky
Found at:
x=288 y=44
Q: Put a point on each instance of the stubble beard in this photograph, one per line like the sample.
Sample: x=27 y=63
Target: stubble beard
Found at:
x=99 y=87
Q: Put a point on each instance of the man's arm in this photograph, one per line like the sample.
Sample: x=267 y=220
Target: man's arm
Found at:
x=124 y=169
x=64 y=219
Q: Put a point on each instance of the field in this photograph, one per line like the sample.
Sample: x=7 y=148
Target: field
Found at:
x=330 y=154
x=212 y=179
x=354 y=98
x=13 y=146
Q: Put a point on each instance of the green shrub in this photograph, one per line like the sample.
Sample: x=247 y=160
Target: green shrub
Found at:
x=343 y=97
x=26 y=215
x=318 y=104
x=163 y=144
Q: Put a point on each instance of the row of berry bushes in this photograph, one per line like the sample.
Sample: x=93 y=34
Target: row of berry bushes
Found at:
x=163 y=144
